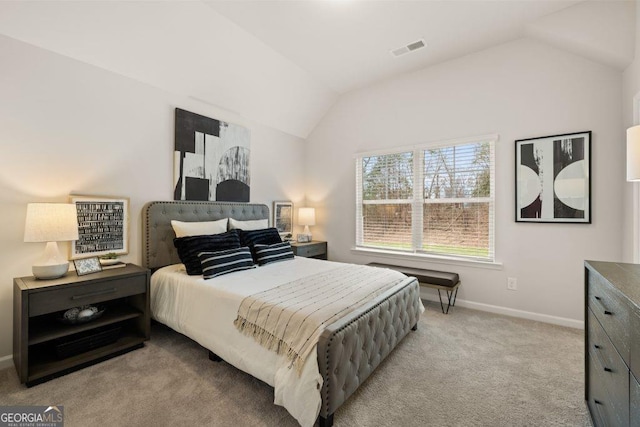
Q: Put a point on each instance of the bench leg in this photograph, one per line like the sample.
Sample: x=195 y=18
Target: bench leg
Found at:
x=451 y=303
x=441 y=306
x=454 y=298
x=415 y=327
x=451 y=300
x=214 y=357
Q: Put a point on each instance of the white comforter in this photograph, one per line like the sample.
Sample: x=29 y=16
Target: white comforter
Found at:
x=204 y=310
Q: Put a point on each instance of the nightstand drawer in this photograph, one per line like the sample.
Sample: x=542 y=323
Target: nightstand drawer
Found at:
x=76 y=295
x=311 y=250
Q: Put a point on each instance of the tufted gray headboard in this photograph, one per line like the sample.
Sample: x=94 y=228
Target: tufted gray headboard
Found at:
x=157 y=234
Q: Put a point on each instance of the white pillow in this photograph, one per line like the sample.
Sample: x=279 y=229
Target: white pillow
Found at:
x=184 y=229
x=256 y=224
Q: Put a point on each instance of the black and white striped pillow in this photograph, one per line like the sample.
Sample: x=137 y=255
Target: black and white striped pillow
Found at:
x=223 y=262
x=189 y=248
x=273 y=253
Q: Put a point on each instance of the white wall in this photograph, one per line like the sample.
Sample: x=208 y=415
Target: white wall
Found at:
x=70 y=127
x=519 y=90
x=631 y=88
x=184 y=47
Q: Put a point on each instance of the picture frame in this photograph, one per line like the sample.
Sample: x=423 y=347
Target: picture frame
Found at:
x=103 y=226
x=210 y=159
x=303 y=238
x=283 y=217
x=553 y=179
x=87 y=265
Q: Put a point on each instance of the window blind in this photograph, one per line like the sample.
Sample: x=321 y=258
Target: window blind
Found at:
x=436 y=199
x=386 y=191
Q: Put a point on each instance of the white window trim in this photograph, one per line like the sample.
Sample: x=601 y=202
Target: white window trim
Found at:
x=418 y=203
x=435 y=259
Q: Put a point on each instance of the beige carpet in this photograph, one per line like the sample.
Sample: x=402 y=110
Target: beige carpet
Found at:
x=468 y=368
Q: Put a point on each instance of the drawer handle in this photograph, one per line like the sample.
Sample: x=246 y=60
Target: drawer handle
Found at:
x=607 y=312
x=597 y=346
x=597 y=402
x=607 y=370
x=91 y=294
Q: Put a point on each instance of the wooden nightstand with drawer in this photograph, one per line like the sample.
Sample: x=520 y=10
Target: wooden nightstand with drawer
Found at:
x=45 y=347
x=314 y=249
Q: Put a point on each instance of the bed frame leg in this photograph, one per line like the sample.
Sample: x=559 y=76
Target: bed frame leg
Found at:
x=214 y=357
x=415 y=327
x=325 y=422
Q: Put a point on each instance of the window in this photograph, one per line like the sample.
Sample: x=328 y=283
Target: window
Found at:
x=436 y=199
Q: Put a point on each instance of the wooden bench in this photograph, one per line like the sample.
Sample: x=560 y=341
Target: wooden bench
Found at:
x=440 y=280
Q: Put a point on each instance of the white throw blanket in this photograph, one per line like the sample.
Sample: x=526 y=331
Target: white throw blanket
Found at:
x=290 y=318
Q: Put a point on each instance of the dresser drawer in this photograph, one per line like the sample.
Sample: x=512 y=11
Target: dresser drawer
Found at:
x=610 y=373
x=311 y=250
x=65 y=297
x=612 y=312
x=598 y=399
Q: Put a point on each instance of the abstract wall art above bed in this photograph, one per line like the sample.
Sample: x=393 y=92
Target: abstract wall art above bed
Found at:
x=211 y=159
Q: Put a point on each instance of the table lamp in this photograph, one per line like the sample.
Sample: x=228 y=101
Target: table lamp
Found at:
x=307 y=217
x=51 y=223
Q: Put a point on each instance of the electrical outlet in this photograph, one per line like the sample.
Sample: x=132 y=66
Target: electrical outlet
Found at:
x=512 y=283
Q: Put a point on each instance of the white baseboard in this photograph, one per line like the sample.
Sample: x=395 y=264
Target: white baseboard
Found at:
x=555 y=320
x=6 y=361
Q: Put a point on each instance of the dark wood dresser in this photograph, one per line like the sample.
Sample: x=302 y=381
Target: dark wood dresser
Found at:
x=612 y=343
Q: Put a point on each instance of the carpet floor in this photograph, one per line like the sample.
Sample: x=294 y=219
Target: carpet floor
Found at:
x=467 y=368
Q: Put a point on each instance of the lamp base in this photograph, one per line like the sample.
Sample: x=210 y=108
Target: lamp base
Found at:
x=307 y=232
x=51 y=264
x=44 y=272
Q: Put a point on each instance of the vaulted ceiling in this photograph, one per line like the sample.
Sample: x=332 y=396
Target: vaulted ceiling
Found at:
x=284 y=63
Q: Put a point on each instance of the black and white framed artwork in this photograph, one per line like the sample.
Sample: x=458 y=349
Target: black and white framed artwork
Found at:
x=103 y=226
x=553 y=178
x=283 y=217
x=211 y=159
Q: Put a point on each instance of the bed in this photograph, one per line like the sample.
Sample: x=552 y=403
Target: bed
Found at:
x=347 y=352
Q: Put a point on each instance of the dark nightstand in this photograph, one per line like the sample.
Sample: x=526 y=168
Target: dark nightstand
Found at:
x=314 y=249
x=44 y=347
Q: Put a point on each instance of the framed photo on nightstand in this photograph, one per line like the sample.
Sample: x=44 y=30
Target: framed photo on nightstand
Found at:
x=87 y=265
x=303 y=238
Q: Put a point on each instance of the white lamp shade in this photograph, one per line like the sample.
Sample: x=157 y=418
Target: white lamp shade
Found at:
x=307 y=216
x=51 y=222
x=633 y=153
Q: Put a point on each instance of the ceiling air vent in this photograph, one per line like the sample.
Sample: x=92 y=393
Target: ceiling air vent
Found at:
x=419 y=44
